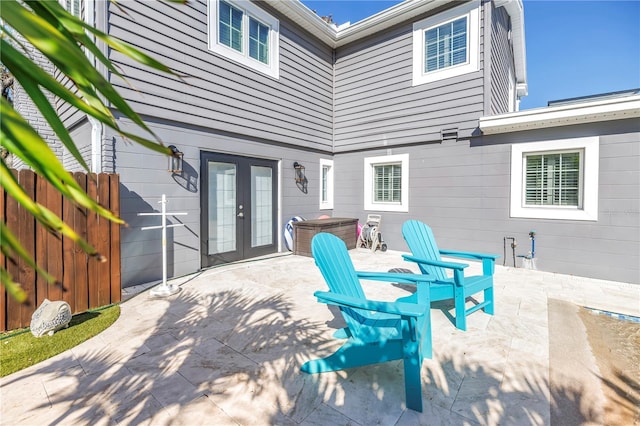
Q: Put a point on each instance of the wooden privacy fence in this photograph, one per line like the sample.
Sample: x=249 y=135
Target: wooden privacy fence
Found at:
x=85 y=282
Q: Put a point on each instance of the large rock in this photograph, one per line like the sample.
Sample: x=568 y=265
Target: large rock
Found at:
x=50 y=317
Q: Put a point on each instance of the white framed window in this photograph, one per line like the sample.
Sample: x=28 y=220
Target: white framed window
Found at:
x=241 y=31
x=326 y=184
x=72 y=6
x=555 y=179
x=447 y=44
x=386 y=183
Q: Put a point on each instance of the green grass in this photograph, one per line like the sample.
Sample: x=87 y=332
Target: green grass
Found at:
x=19 y=349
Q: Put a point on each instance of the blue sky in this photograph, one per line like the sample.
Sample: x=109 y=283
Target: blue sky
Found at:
x=574 y=48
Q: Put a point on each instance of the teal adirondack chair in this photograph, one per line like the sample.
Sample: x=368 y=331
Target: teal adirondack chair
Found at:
x=426 y=254
x=376 y=331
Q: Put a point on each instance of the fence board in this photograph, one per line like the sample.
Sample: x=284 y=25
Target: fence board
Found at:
x=79 y=257
x=114 y=255
x=26 y=236
x=102 y=244
x=87 y=282
x=92 y=235
x=54 y=245
x=14 y=320
x=3 y=294
x=69 y=271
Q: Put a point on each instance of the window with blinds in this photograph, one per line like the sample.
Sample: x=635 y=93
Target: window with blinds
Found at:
x=446 y=45
x=553 y=179
x=387 y=185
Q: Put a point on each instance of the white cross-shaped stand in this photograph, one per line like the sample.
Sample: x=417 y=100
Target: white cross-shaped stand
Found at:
x=164 y=289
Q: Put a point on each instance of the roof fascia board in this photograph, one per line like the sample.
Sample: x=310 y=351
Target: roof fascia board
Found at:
x=540 y=118
x=334 y=37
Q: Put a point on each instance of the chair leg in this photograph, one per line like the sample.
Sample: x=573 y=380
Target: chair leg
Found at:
x=412 y=361
x=488 y=297
x=459 y=300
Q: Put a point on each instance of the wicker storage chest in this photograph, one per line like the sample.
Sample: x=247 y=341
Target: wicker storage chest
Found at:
x=344 y=228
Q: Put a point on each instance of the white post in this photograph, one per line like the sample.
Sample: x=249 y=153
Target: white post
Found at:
x=163 y=289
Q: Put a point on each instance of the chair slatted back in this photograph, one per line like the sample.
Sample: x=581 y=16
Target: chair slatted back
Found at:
x=332 y=258
x=422 y=244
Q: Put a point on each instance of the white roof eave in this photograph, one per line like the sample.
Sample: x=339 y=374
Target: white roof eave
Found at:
x=563 y=115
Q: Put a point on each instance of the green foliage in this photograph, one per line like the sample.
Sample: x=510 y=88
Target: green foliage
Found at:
x=69 y=43
x=20 y=349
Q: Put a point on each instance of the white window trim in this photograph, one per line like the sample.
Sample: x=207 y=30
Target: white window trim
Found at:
x=591 y=160
x=369 y=163
x=250 y=9
x=328 y=204
x=472 y=11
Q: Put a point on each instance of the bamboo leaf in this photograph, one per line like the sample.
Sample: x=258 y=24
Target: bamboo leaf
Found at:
x=49 y=114
x=19 y=138
x=12 y=247
x=45 y=216
x=67 y=56
x=13 y=288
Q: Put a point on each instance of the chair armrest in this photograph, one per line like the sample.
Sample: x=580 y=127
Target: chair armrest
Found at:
x=469 y=255
x=394 y=277
x=414 y=310
x=448 y=265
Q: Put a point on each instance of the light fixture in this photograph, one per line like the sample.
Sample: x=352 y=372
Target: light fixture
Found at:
x=301 y=179
x=175 y=160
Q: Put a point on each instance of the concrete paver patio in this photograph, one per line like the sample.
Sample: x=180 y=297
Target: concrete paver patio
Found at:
x=227 y=349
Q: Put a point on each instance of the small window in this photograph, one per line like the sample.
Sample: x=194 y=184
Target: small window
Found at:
x=447 y=44
x=241 y=31
x=555 y=179
x=326 y=184
x=386 y=183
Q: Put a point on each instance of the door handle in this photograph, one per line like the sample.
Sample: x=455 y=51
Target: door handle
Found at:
x=241 y=214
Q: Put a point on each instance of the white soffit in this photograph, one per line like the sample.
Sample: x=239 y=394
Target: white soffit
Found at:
x=564 y=115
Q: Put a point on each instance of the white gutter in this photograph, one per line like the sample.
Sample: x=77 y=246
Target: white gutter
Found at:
x=562 y=115
x=97 y=127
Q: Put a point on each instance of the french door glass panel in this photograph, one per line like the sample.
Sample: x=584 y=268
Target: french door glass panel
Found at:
x=261 y=206
x=222 y=207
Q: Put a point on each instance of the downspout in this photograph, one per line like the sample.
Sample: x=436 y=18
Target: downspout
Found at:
x=97 y=128
x=96 y=144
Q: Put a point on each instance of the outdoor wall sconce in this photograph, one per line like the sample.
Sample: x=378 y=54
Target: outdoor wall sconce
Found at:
x=301 y=179
x=175 y=160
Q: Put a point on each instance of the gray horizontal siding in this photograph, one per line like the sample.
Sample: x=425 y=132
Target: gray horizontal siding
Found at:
x=462 y=191
x=218 y=93
x=376 y=104
x=501 y=61
x=144 y=178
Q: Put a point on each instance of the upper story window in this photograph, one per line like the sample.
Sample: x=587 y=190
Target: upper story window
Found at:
x=244 y=33
x=326 y=184
x=386 y=183
x=555 y=179
x=447 y=44
x=72 y=6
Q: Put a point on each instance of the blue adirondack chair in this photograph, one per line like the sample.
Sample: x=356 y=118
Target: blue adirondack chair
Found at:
x=376 y=331
x=426 y=254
